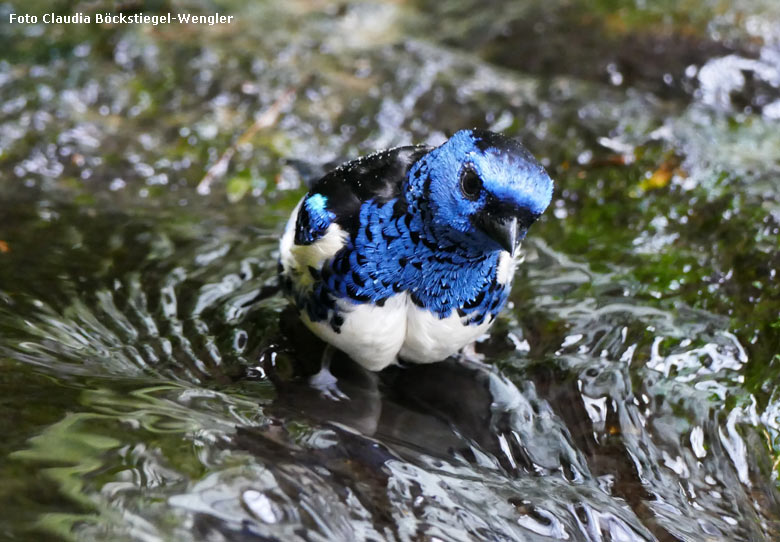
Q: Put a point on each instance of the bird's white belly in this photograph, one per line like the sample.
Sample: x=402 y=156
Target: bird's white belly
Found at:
x=429 y=338
x=370 y=335
x=377 y=336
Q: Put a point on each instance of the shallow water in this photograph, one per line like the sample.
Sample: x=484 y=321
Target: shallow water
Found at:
x=628 y=393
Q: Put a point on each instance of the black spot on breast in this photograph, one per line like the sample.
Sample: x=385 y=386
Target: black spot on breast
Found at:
x=433 y=246
x=380 y=302
x=461 y=312
x=475 y=302
x=356 y=296
x=342 y=266
x=358 y=279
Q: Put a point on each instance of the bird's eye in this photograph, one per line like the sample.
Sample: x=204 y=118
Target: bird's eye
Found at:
x=470 y=183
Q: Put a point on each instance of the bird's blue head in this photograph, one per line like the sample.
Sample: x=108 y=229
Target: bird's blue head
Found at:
x=479 y=188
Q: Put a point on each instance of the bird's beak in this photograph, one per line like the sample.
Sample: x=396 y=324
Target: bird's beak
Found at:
x=505 y=223
x=506 y=231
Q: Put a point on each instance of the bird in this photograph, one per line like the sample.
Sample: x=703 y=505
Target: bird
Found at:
x=408 y=254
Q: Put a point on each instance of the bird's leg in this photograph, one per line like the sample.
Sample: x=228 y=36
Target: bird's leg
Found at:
x=324 y=381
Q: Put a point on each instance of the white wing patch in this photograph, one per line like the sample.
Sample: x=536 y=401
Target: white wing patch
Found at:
x=297 y=258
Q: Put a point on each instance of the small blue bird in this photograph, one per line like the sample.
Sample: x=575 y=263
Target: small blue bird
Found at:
x=408 y=254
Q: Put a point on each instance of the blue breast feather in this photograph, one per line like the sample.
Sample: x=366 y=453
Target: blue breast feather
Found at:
x=387 y=256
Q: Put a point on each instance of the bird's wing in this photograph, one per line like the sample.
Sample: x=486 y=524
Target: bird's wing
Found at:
x=338 y=196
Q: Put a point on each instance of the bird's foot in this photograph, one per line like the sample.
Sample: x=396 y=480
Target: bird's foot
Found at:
x=469 y=354
x=327 y=385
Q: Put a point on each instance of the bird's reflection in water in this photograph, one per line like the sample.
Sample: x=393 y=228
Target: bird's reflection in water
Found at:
x=454 y=409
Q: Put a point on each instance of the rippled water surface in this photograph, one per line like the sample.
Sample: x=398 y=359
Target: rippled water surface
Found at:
x=151 y=389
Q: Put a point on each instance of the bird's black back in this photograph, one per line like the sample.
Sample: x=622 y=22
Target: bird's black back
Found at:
x=377 y=177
